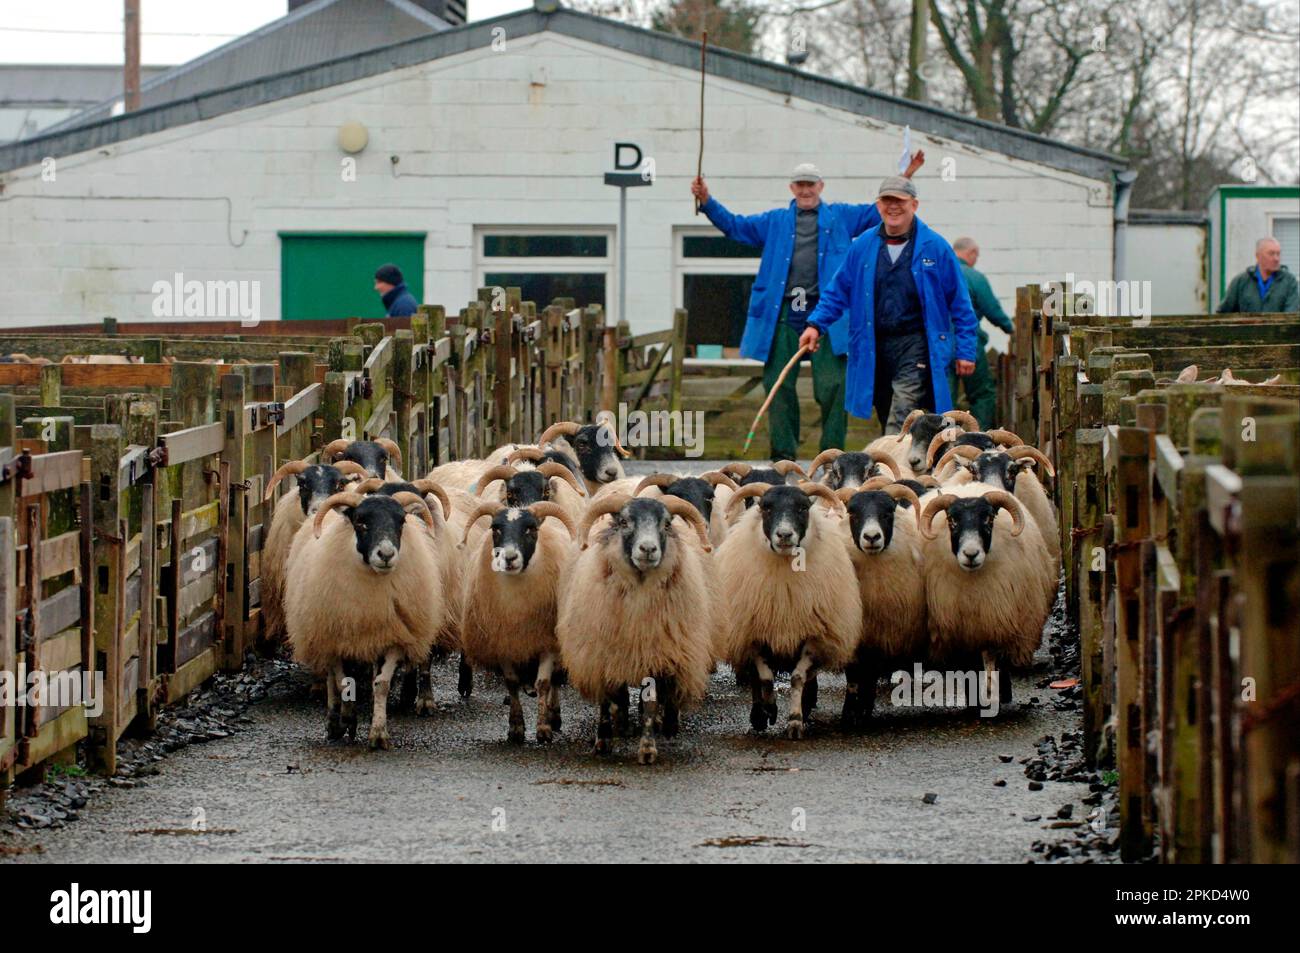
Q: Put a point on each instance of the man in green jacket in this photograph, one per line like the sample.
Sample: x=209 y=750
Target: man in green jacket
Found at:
x=981 y=392
x=1265 y=286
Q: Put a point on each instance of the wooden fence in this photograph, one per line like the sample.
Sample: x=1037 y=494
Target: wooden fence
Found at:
x=1178 y=511
x=131 y=495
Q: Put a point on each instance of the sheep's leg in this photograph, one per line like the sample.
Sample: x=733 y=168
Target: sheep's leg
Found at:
x=647 y=752
x=621 y=709
x=668 y=707
x=805 y=668
x=410 y=686
x=464 y=678
x=554 y=708
x=605 y=727
x=348 y=701
x=545 y=670
x=853 y=690
x=424 y=702
x=810 y=695
x=516 y=732
x=379 y=718
x=993 y=678
x=334 y=719
x=767 y=681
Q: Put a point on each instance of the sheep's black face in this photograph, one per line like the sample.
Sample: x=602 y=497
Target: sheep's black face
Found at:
x=369 y=455
x=759 y=475
x=980 y=441
x=527 y=488
x=853 y=469
x=785 y=512
x=316 y=484
x=970 y=528
x=566 y=461
x=514 y=540
x=916 y=486
x=643 y=526
x=697 y=492
x=923 y=431
x=597 y=458
x=998 y=469
x=871 y=520
x=377 y=522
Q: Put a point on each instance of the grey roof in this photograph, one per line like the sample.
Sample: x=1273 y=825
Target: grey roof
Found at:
x=51 y=85
x=646 y=43
x=316 y=32
x=1165 y=216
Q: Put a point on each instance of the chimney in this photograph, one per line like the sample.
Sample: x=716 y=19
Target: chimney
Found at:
x=131 y=59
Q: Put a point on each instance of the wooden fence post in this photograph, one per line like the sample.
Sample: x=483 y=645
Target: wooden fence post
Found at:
x=235 y=583
x=110 y=553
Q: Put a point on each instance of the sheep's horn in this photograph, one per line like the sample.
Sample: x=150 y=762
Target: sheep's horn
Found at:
x=961 y=450
x=407 y=498
x=429 y=486
x=346 y=498
x=503 y=472
x=926 y=523
x=927 y=481
x=484 y=509
x=823 y=459
x=679 y=507
x=1005 y=437
x=942 y=437
x=786 y=467
x=350 y=468
x=966 y=421
x=744 y=493
x=912 y=418
x=881 y=457
x=736 y=470
x=1015 y=453
x=394 y=451
x=876 y=483
x=563 y=428
x=718 y=478
x=551 y=469
x=660 y=480
x=370 y=485
x=609 y=423
x=822 y=491
x=846 y=493
x=534 y=454
x=333 y=448
x=897 y=490
x=1008 y=502
x=610 y=503
x=292 y=468
x=545 y=508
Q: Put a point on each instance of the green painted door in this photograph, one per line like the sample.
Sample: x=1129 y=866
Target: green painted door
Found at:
x=332 y=274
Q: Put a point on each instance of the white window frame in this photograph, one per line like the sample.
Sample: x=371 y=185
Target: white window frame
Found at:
x=552 y=265
x=682 y=266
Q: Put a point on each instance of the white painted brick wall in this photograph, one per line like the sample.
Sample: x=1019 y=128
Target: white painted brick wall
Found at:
x=479 y=144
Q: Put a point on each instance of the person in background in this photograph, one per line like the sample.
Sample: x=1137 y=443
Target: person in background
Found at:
x=803 y=245
x=909 y=314
x=397 y=298
x=981 y=391
x=1266 y=286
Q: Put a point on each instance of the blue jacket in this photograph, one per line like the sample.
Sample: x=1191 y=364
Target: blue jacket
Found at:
x=773 y=231
x=399 y=302
x=950 y=321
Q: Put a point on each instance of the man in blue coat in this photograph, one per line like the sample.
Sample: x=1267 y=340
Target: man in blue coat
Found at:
x=397 y=298
x=803 y=245
x=909 y=314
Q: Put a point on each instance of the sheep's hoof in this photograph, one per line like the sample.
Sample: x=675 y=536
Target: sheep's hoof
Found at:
x=556 y=721
x=671 y=725
x=515 y=735
x=379 y=740
x=544 y=736
x=770 y=708
x=425 y=705
x=334 y=726
x=603 y=746
x=465 y=680
x=350 y=726
x=795 y=729
x=758 y=718
x=647 y=753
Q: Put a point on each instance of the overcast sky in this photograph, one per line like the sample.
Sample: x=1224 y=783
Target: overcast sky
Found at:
x=90 y=31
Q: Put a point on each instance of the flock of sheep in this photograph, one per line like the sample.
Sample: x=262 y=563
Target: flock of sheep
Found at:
x=547 y=564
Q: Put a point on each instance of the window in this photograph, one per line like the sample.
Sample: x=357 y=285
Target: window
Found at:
x=1286 y=229
x=714 y=276
x=332 y=274
x=548 y=263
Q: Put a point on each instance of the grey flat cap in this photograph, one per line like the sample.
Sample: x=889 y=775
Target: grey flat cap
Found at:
x=806 y=172
x=898 y=186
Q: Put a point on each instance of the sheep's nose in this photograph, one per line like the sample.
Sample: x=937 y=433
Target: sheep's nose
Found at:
x=609 y=474
x=872 y=537
x=510 y=559
x=971 y=554
x=785 y=535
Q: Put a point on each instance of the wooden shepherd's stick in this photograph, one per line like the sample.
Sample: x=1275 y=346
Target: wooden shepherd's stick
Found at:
x=699 y=162
x=772 y=393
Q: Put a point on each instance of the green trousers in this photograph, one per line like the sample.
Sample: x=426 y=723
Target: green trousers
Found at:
x=981 y=392
x=828 y=389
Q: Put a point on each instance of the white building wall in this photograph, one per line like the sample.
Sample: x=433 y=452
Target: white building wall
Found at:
x=520 y=137
x=1170 y=258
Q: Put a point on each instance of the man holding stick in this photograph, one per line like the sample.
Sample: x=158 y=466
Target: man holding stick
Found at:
x=803 y=245
x=909 y=314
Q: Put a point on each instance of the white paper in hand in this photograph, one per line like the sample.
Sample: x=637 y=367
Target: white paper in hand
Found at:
x=905 y=159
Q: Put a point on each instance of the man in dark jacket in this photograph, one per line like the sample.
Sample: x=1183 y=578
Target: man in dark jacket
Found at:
x=398 y=300
x=803 y=245
x=909 y=314
x=981 y=391
x=1266 y=286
